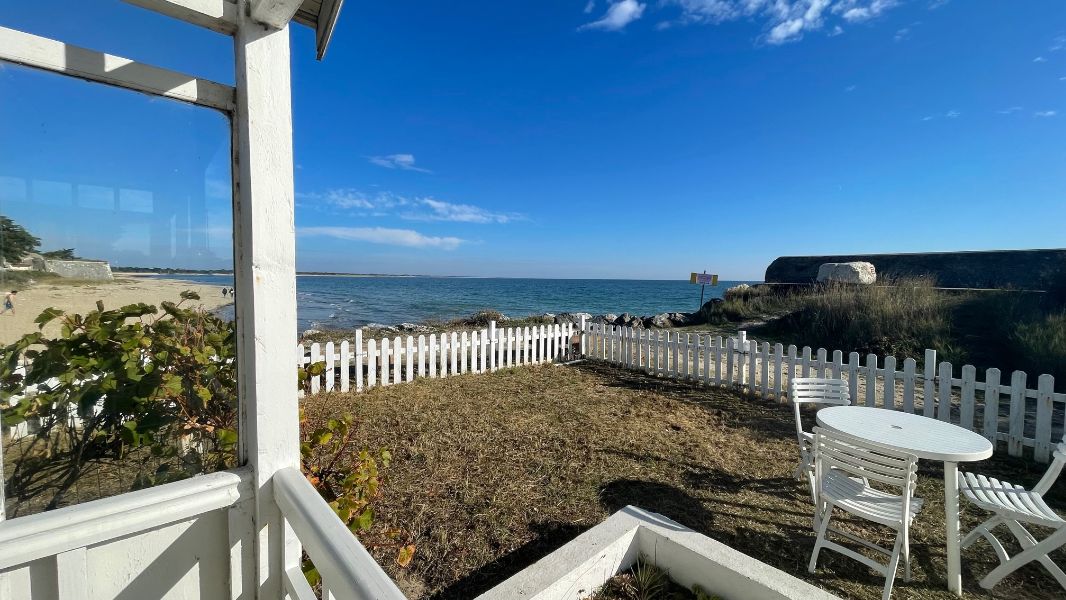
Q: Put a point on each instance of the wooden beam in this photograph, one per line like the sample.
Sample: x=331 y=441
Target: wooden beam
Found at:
x=216 y=15
x=42 y=53
x=265 y=274
x=274 y=13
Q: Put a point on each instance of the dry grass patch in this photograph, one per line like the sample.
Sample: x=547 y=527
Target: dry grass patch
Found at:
x=492 y=472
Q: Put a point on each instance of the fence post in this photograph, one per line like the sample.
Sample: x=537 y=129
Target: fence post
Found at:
x=492 y=345
x=345 y=365
x=966 y=399
x=371 y=359
x=992 y=405
x=943 y=411
x=909 y=367
x=871 y=379
x=1017 y=413
x=778 y=351
x=583 y=323
x=890 y=383
x=316 y=356
x=1045 y=393
x=929 y=380
x=359 y=360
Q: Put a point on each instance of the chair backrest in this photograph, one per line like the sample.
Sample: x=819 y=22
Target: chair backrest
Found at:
x=816 y=390
x=1053 y=471
x=858 y=457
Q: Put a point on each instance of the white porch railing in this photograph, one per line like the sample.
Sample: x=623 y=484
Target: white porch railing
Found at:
x=191 y=537
x=347 y=569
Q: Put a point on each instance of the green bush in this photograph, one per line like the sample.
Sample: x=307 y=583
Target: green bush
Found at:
x=1041 y=344
x=133 y=379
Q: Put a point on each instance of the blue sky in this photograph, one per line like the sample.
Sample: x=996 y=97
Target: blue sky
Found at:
x=573 y=138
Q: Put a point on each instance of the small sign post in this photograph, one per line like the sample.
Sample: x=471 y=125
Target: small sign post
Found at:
x=703 y=279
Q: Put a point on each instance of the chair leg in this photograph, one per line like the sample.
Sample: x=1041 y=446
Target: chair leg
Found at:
x=1034 y=552
x=1027 y=540
x=822 y=518
x=893 y=564
x=906 y=554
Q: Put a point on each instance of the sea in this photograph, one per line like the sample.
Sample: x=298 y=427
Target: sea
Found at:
x=340 y=302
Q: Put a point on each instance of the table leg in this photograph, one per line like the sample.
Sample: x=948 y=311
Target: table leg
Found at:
x=951 y=518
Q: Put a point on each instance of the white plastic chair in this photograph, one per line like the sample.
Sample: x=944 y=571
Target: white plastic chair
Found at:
x=813 y=390
x=1012 y=505
x=839 y=462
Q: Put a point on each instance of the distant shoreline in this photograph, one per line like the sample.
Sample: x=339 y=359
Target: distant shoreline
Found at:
x=298 y=274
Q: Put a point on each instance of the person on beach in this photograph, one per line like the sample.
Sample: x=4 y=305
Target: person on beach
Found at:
x=9 y=302
x=225 y=292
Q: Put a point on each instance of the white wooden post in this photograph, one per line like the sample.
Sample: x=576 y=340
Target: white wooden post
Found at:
x=764 y=376
x=889 y=397
x=432 y=356
x=871 y=379
x=422 y=355
x=943 y=410
x=909 y=367
x=929 y=383
x=409 y=357
x=1045 y=392
x=330 y=371
x=346 y=363
x=991 y=398
x=492 y=345
x=265 y=274
x=316 y=357
x=853 y=377
x=358 y=360
x=386 y=358
x=371 y=363
x=583 y=325
x=966 y=403
x=1017 y=413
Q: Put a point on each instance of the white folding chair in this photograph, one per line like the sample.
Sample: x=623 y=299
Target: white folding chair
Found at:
x=1012 y=505
x=840 y=461
x=813 y=390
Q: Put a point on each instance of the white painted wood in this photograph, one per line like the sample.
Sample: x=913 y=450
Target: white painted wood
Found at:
x=72 y=574
x=475 y=352
x=359 y=357
x=265 y=276
x=991 y=402
x=338 y=555
x=764 y=382
x=779 y=351
x=464 y=352
x=928 y=383
x=753 y=353
x=675 y=354
x=1016 y=420
x=708 y=356
x=33 y=537
x=889 y=392
x=453 y=349
x=871 y=379
x=346 y=364
x=387 y=356
x=274 y=13
x=371 y=363
x=50 y=55
x=422 y=355
x=838 y=364
x=805 y=368
x=943 y=408
x=240 y=530
x=524 y=347
x=316 y=357
x=216 y=15
x=909 y=367
x=397 y=360
x=966 y=400
x=853 y=375
x=821 y=364
x=583 y=329
x=730 y=353
x=492 y=346
x=1045 y=385
x=331 y=368
x=409 y=359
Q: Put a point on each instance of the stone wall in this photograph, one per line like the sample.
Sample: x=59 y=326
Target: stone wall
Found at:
x=996 y=269
x=93 y=270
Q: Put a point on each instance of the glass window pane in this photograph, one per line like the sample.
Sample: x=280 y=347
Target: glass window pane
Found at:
x=120 y=206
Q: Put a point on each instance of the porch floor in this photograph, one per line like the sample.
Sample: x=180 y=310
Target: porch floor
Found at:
x=492 y=472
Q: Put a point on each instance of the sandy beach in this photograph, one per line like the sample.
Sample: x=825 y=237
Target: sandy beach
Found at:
x=82 y=297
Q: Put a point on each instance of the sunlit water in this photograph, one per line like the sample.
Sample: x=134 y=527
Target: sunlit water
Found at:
x=350 y=302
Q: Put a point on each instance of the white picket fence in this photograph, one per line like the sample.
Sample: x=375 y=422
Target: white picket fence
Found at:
x=360 y=366
x=1002 y=412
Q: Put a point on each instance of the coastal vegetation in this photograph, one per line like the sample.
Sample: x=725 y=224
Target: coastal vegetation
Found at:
x=1004 y=329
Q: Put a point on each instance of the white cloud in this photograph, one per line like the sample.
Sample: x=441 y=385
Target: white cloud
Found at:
x=462 y=213
x=783 y=20
x=618 y=15
x=384 y=235
x=953 y=114
x=935 y=4
x=1039 y=59
x=590 y=6
x=929 y=118
x=1045 y=113
x=850 y=88
x=1009 y=110
x=405 y=162
x=856 y=11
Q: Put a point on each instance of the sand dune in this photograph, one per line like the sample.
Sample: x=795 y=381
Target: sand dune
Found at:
x=82 y=297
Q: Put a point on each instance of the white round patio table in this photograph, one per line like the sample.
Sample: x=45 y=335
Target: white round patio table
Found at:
x=927 y=439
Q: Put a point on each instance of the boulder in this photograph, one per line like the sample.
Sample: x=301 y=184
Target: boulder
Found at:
x=623 y=319
x=563 y=318
x=847 y=272
x=661 y=321
x=737 y=290
x=711 y=311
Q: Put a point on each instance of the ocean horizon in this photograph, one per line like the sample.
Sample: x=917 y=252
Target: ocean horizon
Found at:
x=350 y=302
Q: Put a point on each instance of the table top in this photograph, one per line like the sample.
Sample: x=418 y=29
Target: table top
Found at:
x=924 y=437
